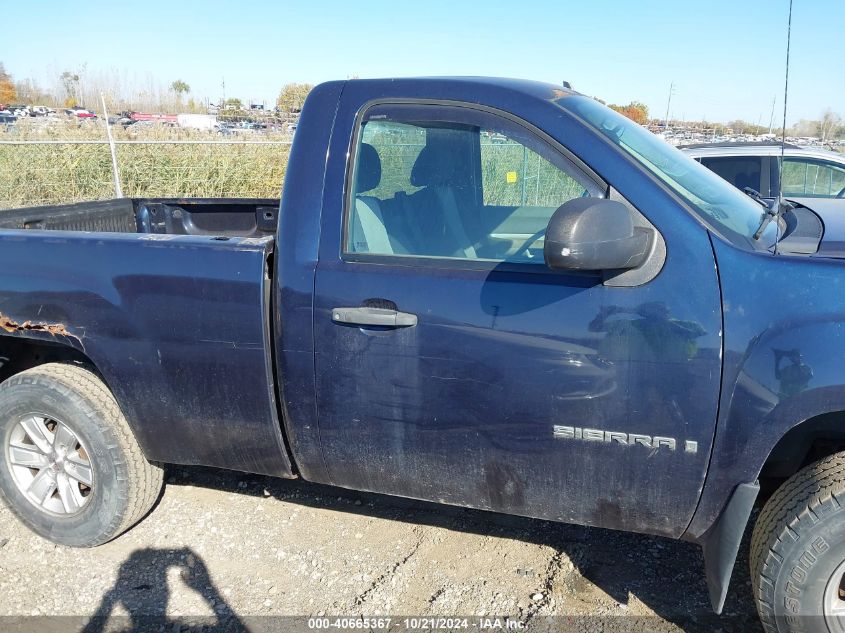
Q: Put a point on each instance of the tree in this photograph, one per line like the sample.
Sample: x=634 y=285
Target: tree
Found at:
x=70 y=84
x=804 y=127
x=180 y=88
x=829 y=124
x=636 y=111
x=744 y=127
x=7 y=88
x=639 y=106
x=293 y=96
x=233 y=104
x=30 y=92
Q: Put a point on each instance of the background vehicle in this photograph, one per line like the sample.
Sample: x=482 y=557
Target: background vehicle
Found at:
x=807 y=172
x=197 y=121
x=579 y=324
x=42 y=111
x=80 y=113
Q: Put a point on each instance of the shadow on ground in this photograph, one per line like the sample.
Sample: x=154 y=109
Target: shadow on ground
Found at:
x=665 y=575
x=141 y=590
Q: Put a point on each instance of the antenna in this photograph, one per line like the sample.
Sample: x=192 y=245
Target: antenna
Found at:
x=783 y=129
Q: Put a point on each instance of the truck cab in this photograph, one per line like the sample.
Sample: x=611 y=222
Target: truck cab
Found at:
x=514 y=386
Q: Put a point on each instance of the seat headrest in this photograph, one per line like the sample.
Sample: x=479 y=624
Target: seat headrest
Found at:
x=434 y=166
x=368 y=175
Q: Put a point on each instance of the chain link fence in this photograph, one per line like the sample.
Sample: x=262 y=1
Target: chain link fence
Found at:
x=50 y=172
x=64 y=163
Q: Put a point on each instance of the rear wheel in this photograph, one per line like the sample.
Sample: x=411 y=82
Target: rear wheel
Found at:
x=70 y=467
x=798 y=552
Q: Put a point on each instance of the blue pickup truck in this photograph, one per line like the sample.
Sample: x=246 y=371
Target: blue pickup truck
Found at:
x=488 y=293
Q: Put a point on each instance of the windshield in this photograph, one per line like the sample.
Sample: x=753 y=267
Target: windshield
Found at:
x=721 y=205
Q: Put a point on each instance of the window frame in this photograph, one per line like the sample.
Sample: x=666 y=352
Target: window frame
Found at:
x=441 y=262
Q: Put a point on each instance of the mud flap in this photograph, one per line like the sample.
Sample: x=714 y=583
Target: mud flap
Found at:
x=721 y=543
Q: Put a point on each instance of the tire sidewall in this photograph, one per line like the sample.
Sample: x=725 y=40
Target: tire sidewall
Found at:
x=810 y=554
x=44 y=395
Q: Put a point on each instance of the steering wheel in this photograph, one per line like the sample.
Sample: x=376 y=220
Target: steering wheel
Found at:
x=524 y=248
x=841 y=193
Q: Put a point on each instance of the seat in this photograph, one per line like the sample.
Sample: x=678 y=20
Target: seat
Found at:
x=745 y=179
x=369 y=233
x=432 y=216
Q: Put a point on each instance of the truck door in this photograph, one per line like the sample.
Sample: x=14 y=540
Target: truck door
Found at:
x=452 y=365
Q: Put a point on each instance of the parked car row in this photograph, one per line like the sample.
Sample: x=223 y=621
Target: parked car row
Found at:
x=684 y=137
x=248 y=127
x=20 y=111
x=12 y=113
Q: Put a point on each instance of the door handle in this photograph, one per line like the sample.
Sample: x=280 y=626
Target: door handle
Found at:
x=374 y=316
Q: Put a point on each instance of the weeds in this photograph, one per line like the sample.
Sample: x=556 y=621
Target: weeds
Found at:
x=36 y=174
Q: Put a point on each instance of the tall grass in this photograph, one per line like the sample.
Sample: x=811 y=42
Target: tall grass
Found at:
x=36 y=174
x=52 y=174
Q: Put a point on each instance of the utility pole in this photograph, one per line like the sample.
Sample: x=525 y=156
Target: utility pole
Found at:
x=118 y=193
x=669 y=103
x=772 y=118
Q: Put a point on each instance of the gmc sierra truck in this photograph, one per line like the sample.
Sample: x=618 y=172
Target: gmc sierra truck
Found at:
x=489 y=293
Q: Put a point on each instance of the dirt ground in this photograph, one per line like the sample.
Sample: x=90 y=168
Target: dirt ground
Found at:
x=224 y=549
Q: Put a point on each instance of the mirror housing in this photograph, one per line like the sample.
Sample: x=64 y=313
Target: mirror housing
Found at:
x=595 y=234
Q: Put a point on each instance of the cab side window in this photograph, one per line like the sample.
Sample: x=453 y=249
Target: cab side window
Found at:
x=803 y=177
x=457 y=183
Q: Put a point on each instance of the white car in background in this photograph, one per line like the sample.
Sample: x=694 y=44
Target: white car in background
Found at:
x=808 y=172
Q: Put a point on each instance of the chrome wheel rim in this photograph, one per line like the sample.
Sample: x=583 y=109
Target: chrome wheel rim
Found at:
x=834 y=599
x=50 y=465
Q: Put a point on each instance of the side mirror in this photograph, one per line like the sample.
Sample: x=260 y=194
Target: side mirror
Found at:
x=595 y=234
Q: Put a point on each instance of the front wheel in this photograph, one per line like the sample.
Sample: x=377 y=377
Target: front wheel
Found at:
x=70 y=467
x=798 y=552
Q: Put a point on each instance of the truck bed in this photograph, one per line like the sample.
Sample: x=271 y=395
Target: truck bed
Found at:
x=178 y=325
x=232 y=217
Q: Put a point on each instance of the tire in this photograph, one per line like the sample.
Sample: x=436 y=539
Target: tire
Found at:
x=87 y=441
x=798 y=551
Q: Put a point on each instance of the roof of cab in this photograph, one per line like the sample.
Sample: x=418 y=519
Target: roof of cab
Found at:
x=760 y=149
x=536 y=88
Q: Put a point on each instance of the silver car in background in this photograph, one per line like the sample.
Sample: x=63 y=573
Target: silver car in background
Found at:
x=808 y=172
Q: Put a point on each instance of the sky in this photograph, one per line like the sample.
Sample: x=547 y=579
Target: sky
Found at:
x=725 y=57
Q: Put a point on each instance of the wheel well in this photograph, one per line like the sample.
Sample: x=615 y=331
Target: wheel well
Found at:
x=20 y=354
x=807 y=442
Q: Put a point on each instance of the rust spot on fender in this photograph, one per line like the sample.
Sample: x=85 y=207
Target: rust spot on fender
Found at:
x=54 y=329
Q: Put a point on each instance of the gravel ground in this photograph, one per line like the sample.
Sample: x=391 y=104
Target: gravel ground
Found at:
x=225 y=547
